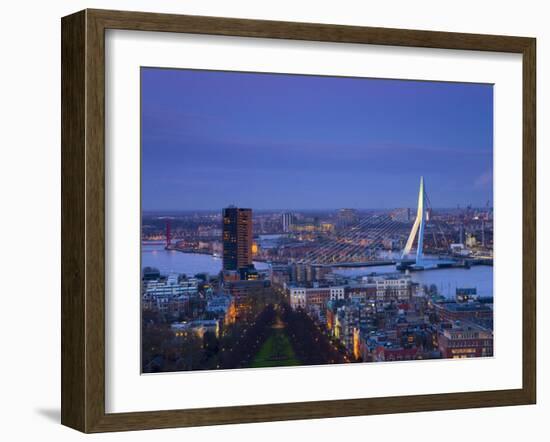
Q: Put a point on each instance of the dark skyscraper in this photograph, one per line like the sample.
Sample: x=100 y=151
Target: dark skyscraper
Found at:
x=237 y=238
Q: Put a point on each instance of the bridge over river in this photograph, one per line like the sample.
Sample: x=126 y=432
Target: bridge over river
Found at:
x=361 y=245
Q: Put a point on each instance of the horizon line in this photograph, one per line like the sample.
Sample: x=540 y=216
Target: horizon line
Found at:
x=311 y=209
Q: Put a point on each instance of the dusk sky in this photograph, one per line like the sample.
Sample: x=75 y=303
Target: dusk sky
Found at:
x=275 y=141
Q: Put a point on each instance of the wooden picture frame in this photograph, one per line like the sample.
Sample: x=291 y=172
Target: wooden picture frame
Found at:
x=83 y=220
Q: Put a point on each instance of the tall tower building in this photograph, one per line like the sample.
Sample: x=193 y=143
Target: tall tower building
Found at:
x=287 y=221
x=237 y=238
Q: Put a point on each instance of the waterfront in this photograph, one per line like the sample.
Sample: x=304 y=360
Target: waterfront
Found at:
x=446 y=280
x=172 y=261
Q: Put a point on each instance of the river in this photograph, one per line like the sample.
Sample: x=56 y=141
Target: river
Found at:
x=446 y=280
x=172 y=261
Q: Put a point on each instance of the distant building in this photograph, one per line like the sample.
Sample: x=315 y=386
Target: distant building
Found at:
x=463 y=311
x=297 y=297
x=307 y=273
x=393 y=289
x=401 y=215
x=361 y=292
x=346 y=217
x=287 y=219
x=301 y=297
x=349 y=320
x=466 y=294
x=198 y=327
x=223 y=306
x=169 y=295
x=172 y=286
x=396 y=354
x=237 y=238
x=465 y=340
x=166 y=304
x=327 y=227
x=280 y=274
x=249 y=273
x=428 y=214
x=471 y=241
x=459 y=249
x=244 y=292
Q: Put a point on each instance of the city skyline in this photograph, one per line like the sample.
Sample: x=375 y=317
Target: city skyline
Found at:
x=292 y=220
x=167 y=212
x=265 y=135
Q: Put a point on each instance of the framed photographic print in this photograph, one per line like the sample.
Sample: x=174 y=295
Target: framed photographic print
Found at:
x=267 y=220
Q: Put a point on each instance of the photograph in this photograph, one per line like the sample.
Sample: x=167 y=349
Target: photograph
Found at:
x=269 y=222
x=301 y=220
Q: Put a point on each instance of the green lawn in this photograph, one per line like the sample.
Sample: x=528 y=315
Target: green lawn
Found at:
x=276 y=352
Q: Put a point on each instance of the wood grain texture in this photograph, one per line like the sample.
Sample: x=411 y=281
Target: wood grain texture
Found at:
x=73 y=253
x=145 y=21
x=83 y=220
x=95 y=221
x=529 y=221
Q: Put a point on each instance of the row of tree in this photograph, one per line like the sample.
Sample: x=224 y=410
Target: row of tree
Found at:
x=310 y=344
x=239 y=351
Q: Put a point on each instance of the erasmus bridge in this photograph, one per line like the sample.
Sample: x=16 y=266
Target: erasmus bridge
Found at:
x=364 y=243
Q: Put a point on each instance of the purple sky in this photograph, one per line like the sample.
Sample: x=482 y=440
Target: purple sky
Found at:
x=275 y=141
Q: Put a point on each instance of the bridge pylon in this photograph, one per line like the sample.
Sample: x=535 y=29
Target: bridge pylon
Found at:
x=418 y=226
